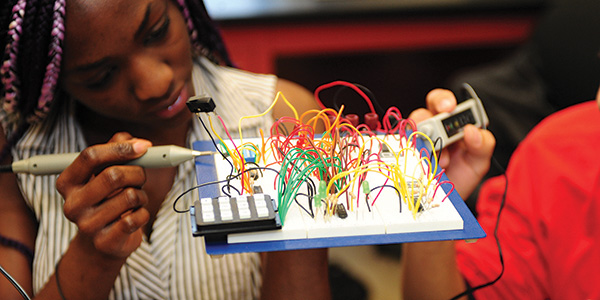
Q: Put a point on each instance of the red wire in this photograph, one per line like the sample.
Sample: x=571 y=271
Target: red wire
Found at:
x=347 y=84
x=447 y=194
x=242 y=167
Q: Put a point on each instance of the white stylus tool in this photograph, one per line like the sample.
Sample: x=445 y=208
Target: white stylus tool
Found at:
x=156 y=157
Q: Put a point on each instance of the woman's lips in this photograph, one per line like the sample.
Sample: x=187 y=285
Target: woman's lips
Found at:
x=176 y=106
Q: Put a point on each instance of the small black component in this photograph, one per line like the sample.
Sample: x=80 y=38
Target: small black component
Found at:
x=340 y=210
x=217 y=217
x=254 y=174
x=416 y=200
x=385 y=151
x=5 y=168
x=257 y=189
x=202 y=103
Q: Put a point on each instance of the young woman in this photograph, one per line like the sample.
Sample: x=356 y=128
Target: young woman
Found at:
x=109 y=78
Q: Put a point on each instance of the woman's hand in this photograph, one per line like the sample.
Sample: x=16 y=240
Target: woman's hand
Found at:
x=468 y=160
x=105 y=198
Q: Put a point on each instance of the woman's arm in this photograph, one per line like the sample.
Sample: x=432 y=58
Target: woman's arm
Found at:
x=297 y=274
x=17 y=224
x=429 y=269
x=299 y=97
x=106 y=203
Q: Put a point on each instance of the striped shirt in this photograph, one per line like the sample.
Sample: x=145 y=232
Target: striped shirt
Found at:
x=173 y=264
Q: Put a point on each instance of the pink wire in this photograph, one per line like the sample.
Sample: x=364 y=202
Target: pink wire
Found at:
x=380 y=190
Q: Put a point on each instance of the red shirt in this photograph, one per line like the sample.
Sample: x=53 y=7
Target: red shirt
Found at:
x=550 y=226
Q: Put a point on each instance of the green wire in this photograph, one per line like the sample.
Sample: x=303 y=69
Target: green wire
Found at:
x=299 y=164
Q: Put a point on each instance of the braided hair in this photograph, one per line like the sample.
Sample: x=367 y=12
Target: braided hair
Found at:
x=32 y=32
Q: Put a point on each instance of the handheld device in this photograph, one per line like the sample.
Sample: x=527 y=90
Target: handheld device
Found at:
x=155 y=157
x=449 y=127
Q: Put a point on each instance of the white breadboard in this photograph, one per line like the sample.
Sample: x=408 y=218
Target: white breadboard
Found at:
x=388 y=215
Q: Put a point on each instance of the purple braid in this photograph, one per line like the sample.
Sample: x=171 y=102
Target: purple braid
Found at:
x=8 y=70
x=35 y=57
x=205 y=37
x=36 y=25
x=190 y=25
x=53 y=68
x=30 y=64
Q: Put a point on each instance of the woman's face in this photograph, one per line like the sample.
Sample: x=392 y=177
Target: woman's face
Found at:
x=128 y=60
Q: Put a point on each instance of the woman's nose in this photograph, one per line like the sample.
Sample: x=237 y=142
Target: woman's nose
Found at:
x=151 y=78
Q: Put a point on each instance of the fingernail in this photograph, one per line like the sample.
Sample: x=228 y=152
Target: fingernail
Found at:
x=130 y=225
x=140 y=146
x=444 y=161
x=444 y=105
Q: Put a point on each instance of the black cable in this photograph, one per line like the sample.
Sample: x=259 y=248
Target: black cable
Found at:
x=469 y=291
x=439 y=152
x=310 y=190
x=216 y=147
x=367 y=91
x=14 y=283
x=214 y=182
x=5 y=168
x=378 y=108
x=281 y=129
x=390 y=186
x=371 y=97
x=367 y=201
x=229 y=188
x=308 y=211
x=191 y=189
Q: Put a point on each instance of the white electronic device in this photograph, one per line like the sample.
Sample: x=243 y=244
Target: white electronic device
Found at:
x=449 y=127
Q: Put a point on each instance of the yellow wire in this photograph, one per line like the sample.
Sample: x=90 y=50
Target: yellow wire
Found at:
x=370 y=167
x=432 y=149
x=279 y=94
x=321 y=115
x=314 y=119
x=233 y=155
x=336 y=121
x=263 y=146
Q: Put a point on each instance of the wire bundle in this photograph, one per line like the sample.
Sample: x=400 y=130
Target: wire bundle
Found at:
x=319 y=172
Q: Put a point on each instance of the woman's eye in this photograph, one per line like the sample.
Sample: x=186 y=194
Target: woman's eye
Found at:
x=158 y=33
x=103 y=79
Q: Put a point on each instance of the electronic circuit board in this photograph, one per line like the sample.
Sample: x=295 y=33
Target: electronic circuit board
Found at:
x=421 y=208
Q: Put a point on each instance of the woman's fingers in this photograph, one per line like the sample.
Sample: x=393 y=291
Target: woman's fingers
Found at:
x=123 y=236
x=420 y=114
x=94 y=159
x=106 y=184
x=104 y=196
x=94 y=218
x=440 y=100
